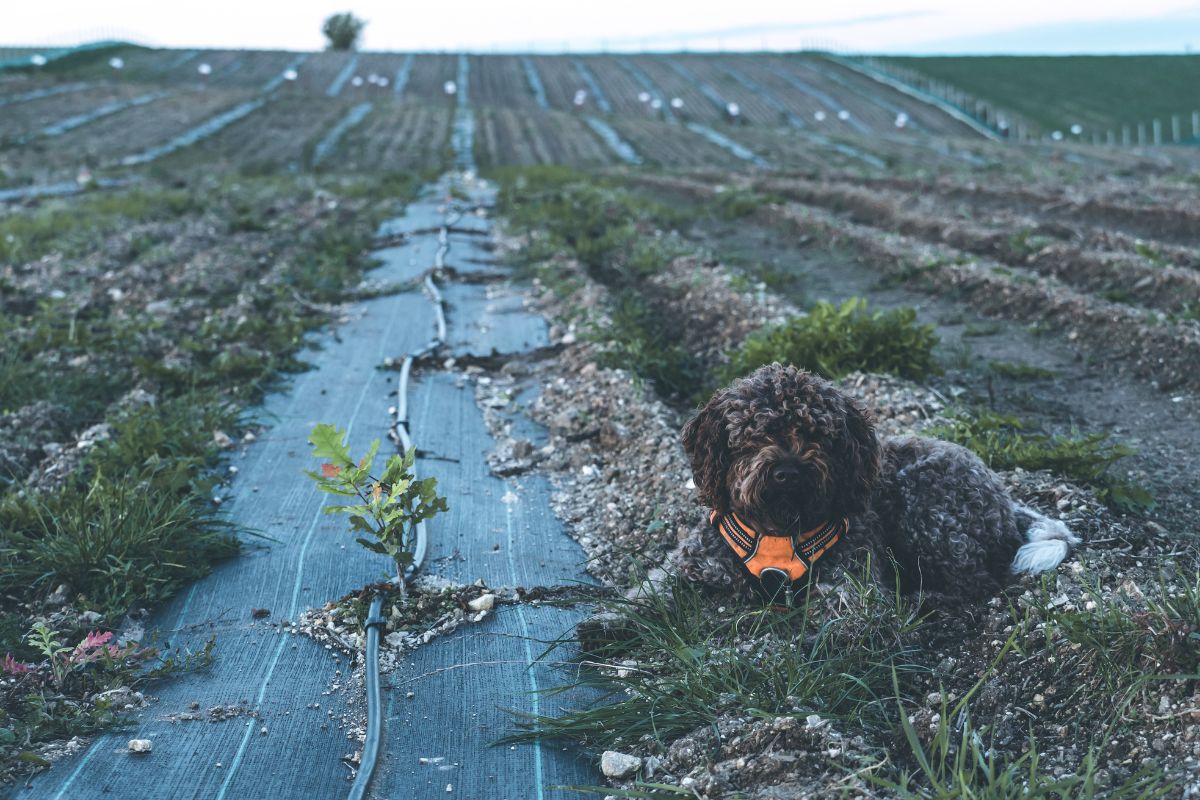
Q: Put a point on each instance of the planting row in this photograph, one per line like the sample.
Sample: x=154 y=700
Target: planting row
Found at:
x=1118 y=268
x=773 y=91
x=106 y=140
x=1161 y=349
x=288 y=127
x=510 y=137
x=1163 y=209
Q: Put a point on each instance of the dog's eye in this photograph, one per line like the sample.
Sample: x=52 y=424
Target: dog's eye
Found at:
x=785 y=473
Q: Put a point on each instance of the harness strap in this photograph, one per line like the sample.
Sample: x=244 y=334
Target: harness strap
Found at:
x=775 y=558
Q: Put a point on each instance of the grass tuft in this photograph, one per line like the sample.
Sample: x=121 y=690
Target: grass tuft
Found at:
x=645 y=342
x=1003 y=443
x=136 y=523
x=956 y=764
x=695 y=663
x=115 y=543
x=1127 y=641
x=1020 y=372
x=70 y=227
x=735 y=204
x=1025 y=243
x=835 y=340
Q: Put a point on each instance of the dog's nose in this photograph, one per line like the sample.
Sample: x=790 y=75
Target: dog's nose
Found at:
x=785 y=473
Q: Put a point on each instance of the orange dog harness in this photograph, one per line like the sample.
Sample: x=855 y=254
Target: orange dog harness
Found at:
x=777 y=559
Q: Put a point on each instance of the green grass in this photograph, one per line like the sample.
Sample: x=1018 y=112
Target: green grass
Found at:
x=646 y=342
x=1129 y=643
x=735 y=204
x=71 y=226
x=957 y=764
x=835 y=340
x=1004 y=443
x=955 y=760
x=618 y=236
x=113 y=543
x=128 y=529
x=134 y=522
x=602 y=225
x=1020 y=372
x=1151 y=254
x=696 y=664
x=71 y=358
x=1025 y=242
x=245 y=356
x=1055 y=92
x=752 y=273
x=1190 y=312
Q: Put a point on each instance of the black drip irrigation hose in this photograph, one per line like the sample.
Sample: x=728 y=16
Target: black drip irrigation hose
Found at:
x=366 y=768
x=375 y=619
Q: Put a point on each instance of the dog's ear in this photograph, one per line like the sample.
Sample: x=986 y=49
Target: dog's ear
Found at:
x=858 y=461
x=706 y=443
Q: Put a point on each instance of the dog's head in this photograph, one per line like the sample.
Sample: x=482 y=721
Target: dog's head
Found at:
x=783 y=447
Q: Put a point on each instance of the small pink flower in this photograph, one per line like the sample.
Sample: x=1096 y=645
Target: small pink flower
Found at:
x=13 y=667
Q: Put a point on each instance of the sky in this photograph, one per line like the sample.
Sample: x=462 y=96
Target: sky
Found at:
x=880 y=26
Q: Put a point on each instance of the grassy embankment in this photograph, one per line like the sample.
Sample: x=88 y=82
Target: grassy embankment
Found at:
x=1101 y=93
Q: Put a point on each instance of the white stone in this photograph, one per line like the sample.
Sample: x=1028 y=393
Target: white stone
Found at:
x=140 y=745
x=485 y=602
x=618 y=765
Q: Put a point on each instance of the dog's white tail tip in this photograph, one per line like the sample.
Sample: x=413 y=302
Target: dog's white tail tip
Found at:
x=1047 y=543
x=1040 y=556
x=1044 y=528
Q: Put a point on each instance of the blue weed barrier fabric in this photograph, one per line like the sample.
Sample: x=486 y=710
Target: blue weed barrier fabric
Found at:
x=281 y=733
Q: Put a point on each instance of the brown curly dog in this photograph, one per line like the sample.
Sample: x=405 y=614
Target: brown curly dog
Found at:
x=801 y=487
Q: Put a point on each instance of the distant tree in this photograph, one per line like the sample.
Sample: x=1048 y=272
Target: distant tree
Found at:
x=342 y=31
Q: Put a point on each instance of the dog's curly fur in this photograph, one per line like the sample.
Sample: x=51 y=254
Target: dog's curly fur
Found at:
x=785 y=449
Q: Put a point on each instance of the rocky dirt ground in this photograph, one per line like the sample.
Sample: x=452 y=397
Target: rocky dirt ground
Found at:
x=622 y=488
